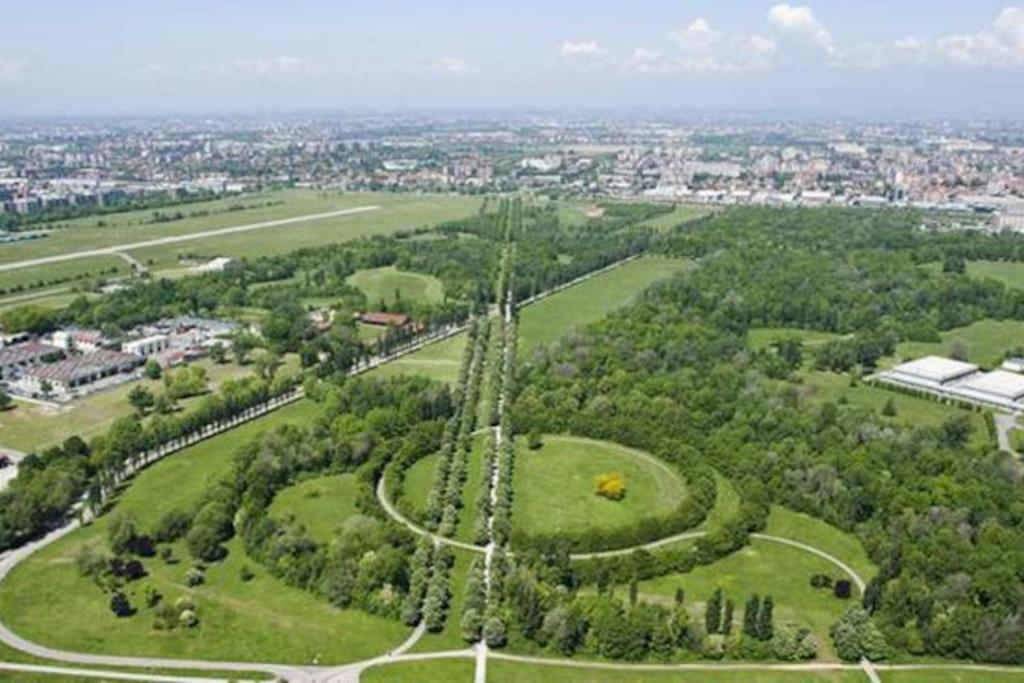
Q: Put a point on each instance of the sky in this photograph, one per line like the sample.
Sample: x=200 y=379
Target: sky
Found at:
x=828 y=57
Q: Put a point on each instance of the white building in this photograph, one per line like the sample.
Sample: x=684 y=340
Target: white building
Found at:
x=147 y=346
x=959 y=381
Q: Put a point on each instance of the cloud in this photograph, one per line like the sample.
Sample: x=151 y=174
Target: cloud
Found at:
x=999 y=45
x=12 y=70
x=697 y=37
x=276 y=67
x=450 y=65
x=583 y=48
x=799 y=20
x=645 y=55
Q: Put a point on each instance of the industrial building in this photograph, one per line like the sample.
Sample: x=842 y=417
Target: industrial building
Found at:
x=74 y=375
x=959 y=381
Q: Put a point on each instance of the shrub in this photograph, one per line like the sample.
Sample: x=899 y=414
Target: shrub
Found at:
x=245 y=574
x=842 y=589
x=194 y=577
x=188 y=619
x=821 y=581
x=534 y=440
x=611 y=485
x=120 y=605
x=495 y=633
x=172 y=526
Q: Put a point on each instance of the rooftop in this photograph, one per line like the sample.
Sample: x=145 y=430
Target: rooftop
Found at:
x=936 y=369
x=998 y=382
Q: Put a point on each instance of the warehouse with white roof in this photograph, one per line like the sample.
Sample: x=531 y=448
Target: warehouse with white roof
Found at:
x=960 y=381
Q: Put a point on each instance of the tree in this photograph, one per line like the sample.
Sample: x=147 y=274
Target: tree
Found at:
x=764 y=619
x=46 y=388
x=633 y=592
x=889 y=409
x=267 y=365
x=534 y=440
x=680 y=596
x=219 y=353
x=713 y=612
x=611 y=485
x=153 y=369
x=727 y=618
x=141 y=399
x=471 y=625
x=495 y=633
x=120 y=605
x=122 y=532
x=750 y=616
x=5 y=400
x=241 y=345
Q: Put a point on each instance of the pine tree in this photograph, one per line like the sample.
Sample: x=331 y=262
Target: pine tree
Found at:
x=727 y=618
x=764 y=620
x=713 y=612
x=750 y=614
x=634 y=589
x=680 y=596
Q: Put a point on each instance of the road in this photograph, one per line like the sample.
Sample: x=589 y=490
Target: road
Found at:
x=174 y=239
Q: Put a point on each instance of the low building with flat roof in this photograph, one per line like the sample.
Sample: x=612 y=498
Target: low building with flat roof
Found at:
x=16 y=358
x=932 y=371
x=72 y=375
x=959 y=381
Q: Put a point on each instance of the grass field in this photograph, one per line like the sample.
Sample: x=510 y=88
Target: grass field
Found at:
x=41 y=276
x=589 y=301
x=321 y=504
x=28 y=426
x=1010 y=273
x=680 y=215
x=399 y=211
x=815 y=532
x=555 y=486
x=819 y=387
x=985 y=342
x=431 y=671
x=499 y=671
x=418 y=481
x=47 y=601
x=440 y=361
x=764 y=568
x=51 y=298
x=952 y=676
x=388 y=284
x=763 y=337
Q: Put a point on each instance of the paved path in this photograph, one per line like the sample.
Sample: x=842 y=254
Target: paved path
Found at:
x=108 y=675
x=174 y=239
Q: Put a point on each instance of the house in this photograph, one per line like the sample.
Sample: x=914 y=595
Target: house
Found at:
x=147 y=346
x=85 y=341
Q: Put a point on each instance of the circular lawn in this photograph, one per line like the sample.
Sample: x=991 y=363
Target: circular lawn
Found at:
x=556 y=487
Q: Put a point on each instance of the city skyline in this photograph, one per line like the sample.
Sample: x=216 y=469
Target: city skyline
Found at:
x=825 y=57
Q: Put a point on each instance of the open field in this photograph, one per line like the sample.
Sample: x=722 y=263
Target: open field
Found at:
x=418 y=481
x=440 y=361
x=29 y=426
x=823 y=536
x=681 y=214
x=763 y=337
x=499 y=671
x=50 y=298
x=429 y=671
x=41 y=276
x=764 y=568
x=589 y=301
x=952 y=676
x=564 y=469
x=321 y=504
x=46 y=600
x=1010 y=273
x=388 y=284
x=396 y=212
x=984 y=341
x=819 y=387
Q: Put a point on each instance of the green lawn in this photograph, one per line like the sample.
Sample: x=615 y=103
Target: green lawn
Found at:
x=499 y=671
x=985 y=342
x=1010 y=273
x=321 y=504
x=42 y=276
x=815 y=532
x=764 y=568
x=397 y=212
x=763 y=337
x=952 y=676
x=680 y=215
x=29 y=426
x=47 y=601
x=727 y=503
x=440 y=360
x=388 y=284
x=555 y=486
x=819 y=387
x=429 y=671
x=51 y=298
x=419 y=479
x=589 y=301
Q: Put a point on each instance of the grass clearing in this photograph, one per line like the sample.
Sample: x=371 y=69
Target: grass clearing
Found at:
x=428 y=671
x=763 y=337
x=1010 y=273
x=48 y=274
x=681 y=214
x=389 y=285
x=440 y=360
x=321 y=504
x=45 y=599
x=814 y=532
x=550 y=318
x=764 y=568
x=419 y=479
x=952 y=676
x=500 y=671
x=912 y=411
x=984 y=341
x=555 y=486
